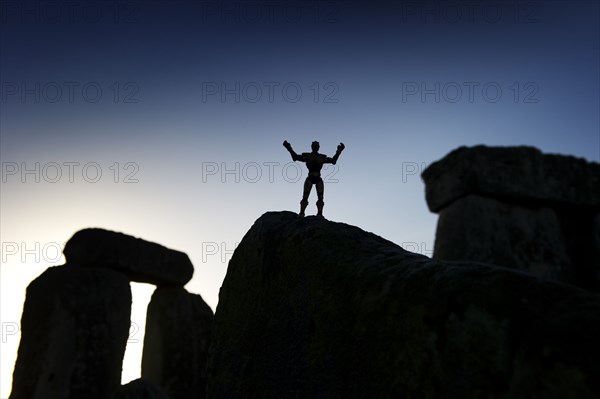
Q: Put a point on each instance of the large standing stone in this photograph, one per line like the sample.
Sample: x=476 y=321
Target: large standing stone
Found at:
x=491 y=231
x=141 y=260
x=74 y=331
x=178 y=328
x=316 y=309
x=517 y=207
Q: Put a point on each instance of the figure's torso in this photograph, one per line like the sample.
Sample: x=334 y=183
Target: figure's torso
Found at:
x=314 y=162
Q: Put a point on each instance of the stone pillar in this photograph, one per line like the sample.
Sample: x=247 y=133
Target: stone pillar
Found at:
x=178 y=327
x=519 y=208
x=74 y=330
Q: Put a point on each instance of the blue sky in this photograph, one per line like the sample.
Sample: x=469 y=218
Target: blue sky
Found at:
x=165 y=119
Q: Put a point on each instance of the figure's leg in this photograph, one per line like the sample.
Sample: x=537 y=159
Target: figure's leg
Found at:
x=304 y=202
x=320 y=203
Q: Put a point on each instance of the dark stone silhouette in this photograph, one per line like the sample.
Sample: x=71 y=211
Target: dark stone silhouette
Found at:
x=517 y=207
x=140 y=260
x=314 y=162
x=76 y=323
x=139 y=389
x=316 y=309
x=74 y=329
x=514 y=174
x=178 y=327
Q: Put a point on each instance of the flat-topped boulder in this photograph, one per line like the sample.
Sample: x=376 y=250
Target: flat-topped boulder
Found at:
x=312 y=308
x=516 y=174
x=140 y=260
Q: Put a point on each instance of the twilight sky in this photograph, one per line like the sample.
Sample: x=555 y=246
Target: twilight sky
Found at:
x=165 y=119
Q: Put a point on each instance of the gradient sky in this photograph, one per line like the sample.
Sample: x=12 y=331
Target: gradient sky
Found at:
x=182 y=106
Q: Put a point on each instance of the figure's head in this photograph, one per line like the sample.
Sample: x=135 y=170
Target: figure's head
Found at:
x=315 y=146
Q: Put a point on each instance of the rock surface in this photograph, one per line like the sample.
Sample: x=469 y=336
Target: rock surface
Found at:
x=74 y=329
x=141 y=260
x=316 y=309
x=483 y=229
x=552 y=244
x=515 y=174
x=178 y=328
x=139 y=389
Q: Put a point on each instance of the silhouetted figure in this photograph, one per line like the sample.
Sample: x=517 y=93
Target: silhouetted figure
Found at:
x=314 y=163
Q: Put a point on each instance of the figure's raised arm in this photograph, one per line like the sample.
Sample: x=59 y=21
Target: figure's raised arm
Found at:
x=334 y=159
x=295 y=156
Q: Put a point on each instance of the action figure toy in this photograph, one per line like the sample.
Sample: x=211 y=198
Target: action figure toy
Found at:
x=314 y=162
